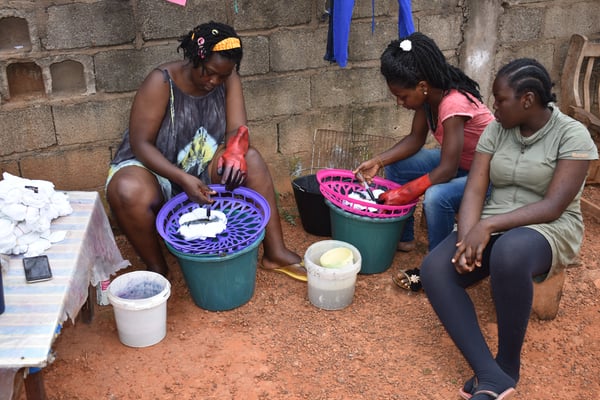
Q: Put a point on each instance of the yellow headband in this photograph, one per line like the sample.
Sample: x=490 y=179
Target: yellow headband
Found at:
x=227 y=44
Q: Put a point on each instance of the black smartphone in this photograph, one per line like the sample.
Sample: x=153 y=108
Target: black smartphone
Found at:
x=37 y=269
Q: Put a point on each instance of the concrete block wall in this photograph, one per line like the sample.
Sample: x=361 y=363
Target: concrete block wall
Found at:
x=69 y=70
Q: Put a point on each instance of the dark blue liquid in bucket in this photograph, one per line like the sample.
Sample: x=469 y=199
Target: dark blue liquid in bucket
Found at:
x=140 y=290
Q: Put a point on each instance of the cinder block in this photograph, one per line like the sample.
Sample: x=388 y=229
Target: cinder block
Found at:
x=12 y=167
x=101 y=23
x=125 y=70
x=276 y=96
x=542 y=52
x=157 y=17
x=31 y=40
x=563 y=20
x=444 y=29
x=256 y=55
x=281 y=180
x=263 y=137
x=364 y=9
x=26 y=130
x=435 y=6
x=520 y=24
x=268 y=14
x=382 y=120
x=73 y=169
x=297 y=132
x=364 y=44
x=298 y=49
x=347 y=86
x=92 y=121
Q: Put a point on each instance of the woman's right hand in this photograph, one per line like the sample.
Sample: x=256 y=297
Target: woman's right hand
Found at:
x=197 y=190
x=368 y=169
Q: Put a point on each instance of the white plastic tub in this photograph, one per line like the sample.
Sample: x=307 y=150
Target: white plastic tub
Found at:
x=330 y=288
x=139 y=300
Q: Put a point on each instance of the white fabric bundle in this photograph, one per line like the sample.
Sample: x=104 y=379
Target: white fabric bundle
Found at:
x=363 y=196
x=27 y=208
x=195 y=225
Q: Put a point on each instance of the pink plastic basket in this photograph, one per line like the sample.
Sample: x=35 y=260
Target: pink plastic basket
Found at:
x=337 y=184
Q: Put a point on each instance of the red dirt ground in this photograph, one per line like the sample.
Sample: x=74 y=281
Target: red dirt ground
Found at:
x=387 y=344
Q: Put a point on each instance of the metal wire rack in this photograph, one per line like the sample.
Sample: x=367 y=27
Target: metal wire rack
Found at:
x=342 y=150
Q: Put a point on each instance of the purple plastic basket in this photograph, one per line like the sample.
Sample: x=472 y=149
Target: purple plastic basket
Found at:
x=247 y=215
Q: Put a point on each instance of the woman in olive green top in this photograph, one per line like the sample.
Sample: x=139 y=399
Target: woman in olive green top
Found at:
x=536 y=160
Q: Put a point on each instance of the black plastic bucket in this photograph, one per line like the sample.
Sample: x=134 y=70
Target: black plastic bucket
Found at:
x=314 y=213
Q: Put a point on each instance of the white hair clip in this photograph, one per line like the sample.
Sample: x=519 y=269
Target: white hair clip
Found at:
x=406 y=45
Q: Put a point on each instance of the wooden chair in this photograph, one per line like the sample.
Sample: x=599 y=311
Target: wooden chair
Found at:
x=580 y=89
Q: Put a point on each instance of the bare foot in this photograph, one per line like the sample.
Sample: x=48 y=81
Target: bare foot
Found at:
x=287 y=257
x=406 y=247
x=290 y=265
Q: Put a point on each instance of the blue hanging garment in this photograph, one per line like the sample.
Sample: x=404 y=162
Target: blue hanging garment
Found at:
x=342 y=13
x=329 y=51
x=340 y=16
x=405 y=22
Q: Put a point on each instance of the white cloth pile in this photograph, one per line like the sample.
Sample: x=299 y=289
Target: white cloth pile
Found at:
x=197 y=225
x=363 y=196
x=27 y=208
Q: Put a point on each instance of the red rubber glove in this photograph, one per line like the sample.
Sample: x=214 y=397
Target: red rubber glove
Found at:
x=407 y=192
x=232 y=163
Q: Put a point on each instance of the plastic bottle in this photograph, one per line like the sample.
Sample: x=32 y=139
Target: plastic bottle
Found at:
x=102 y=293
x=2 y=307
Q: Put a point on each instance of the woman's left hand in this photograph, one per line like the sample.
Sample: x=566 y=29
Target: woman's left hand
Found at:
x=232 y=163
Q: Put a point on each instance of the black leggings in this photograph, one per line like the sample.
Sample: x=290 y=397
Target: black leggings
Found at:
x=511 y=260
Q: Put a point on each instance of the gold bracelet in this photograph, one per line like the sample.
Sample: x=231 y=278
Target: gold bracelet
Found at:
x=379 y=161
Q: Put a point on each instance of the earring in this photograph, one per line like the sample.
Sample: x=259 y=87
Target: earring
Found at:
x=425 y=92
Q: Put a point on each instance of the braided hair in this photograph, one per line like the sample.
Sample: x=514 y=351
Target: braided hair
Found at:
x=416 y=58
x=528 y=75
x=198 y=45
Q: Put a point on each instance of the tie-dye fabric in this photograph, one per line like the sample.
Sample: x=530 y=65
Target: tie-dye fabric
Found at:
x=191 y=130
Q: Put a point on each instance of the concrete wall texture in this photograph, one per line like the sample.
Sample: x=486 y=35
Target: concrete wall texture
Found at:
x=69 y=70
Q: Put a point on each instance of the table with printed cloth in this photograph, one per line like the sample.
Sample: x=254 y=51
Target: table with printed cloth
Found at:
x=35 y=312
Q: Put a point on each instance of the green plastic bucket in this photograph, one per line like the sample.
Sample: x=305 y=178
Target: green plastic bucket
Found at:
x=219 y=283
x=375 y=238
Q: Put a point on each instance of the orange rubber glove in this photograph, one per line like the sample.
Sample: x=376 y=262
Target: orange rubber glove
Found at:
x=232 y=164
x=407 y=192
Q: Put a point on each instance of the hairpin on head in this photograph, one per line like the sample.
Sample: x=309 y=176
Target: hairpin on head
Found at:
x=406 y=45
x=201 y=49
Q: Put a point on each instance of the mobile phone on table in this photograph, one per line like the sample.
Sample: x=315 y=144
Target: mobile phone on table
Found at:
x=37 y=269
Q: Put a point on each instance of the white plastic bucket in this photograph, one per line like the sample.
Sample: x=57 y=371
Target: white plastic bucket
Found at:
x=330 y=288
x=139 y=300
